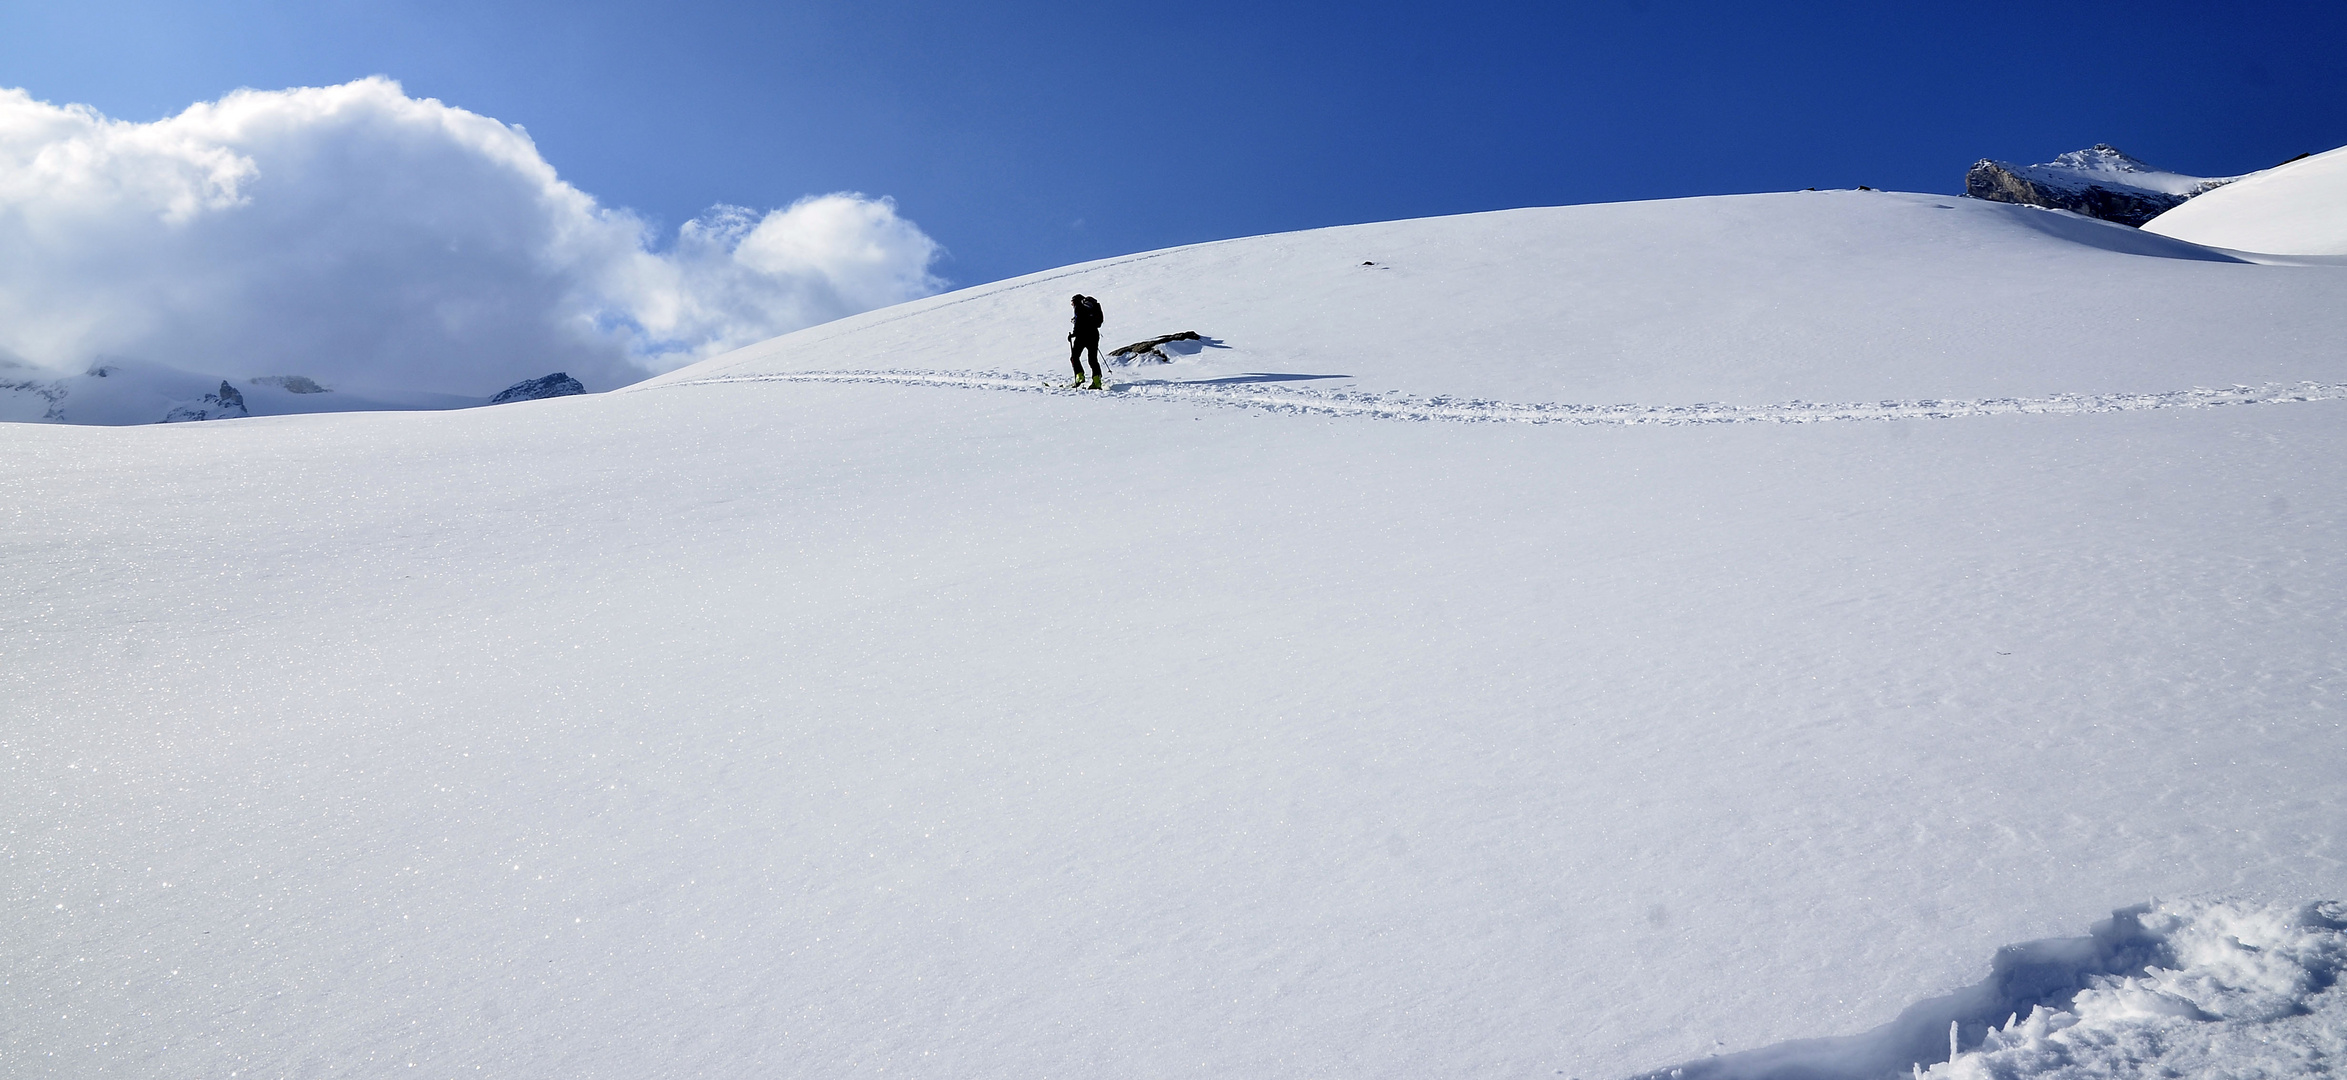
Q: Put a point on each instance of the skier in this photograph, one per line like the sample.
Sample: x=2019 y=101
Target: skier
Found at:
x=1086 y=336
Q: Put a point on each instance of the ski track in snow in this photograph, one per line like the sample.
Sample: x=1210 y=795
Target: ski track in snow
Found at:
x=1399 y=406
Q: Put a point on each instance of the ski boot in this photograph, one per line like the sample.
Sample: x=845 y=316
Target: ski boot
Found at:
x=1096 y=382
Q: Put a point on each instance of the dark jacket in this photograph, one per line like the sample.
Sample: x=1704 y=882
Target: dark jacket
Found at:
x=1088 y=318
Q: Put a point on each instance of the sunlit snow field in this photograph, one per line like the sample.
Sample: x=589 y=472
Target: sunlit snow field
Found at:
x=1338 y=699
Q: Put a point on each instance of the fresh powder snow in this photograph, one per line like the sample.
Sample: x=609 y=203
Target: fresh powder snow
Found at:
x=1839 y=634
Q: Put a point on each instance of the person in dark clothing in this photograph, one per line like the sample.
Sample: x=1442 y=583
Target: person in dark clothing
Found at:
x=1085 y=337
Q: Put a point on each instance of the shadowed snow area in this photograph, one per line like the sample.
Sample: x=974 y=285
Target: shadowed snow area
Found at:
x=859 y=704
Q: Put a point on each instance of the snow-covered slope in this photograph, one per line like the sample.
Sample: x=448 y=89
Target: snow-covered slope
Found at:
x=1822 y=296
x=2295 y=209
x=859 y=703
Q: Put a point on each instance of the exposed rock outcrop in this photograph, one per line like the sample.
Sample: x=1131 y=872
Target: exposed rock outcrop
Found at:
x=2099 y=182
x=1151 y=351
x=223 y=404
x=555 y=385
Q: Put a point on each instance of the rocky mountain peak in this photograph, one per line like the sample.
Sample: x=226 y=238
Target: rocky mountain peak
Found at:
x=2100 y=181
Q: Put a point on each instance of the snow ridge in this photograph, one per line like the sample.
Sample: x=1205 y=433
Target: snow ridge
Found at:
x=1264 y=392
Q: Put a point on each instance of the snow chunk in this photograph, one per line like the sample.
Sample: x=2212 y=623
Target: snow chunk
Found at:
x=2180 y=988
x=2240 y=990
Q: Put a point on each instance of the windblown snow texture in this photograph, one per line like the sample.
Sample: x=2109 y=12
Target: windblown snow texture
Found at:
x=1482 y=656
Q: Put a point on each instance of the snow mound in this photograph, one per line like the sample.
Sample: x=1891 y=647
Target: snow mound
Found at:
x=2295 y=209
x=2182 y=988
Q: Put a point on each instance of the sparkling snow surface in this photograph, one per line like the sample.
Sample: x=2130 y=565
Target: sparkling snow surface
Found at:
x=2295 y=209
x=793 y=716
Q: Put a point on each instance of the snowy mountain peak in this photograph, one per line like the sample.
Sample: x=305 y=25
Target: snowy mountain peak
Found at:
x=2100 y=181
x=2101 y=157
x=222 y=404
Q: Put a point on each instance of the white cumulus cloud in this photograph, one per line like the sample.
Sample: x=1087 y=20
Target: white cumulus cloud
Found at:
x=355 y=233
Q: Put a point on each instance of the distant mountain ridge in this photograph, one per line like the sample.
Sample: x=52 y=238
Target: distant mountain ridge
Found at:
x=2100 y=181
x=116 y=391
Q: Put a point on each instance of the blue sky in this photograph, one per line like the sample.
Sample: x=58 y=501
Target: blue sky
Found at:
x=1026 y=135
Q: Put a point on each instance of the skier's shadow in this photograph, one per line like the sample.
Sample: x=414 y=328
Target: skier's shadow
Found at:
x=1193 y=346
x=1252 y=377
x=1259 y=377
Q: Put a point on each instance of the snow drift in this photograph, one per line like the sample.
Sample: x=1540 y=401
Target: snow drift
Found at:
x=353 y=234
x=791 y=716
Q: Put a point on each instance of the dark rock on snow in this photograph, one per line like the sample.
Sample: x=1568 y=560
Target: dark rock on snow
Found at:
x=227 y=404
x=1148 y=350
x=555 y=385
x=1996 y=182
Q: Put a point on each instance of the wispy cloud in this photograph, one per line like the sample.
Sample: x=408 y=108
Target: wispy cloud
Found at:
x=354 y=233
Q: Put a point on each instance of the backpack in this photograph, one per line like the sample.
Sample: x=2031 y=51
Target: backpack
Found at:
x=1091 y=319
